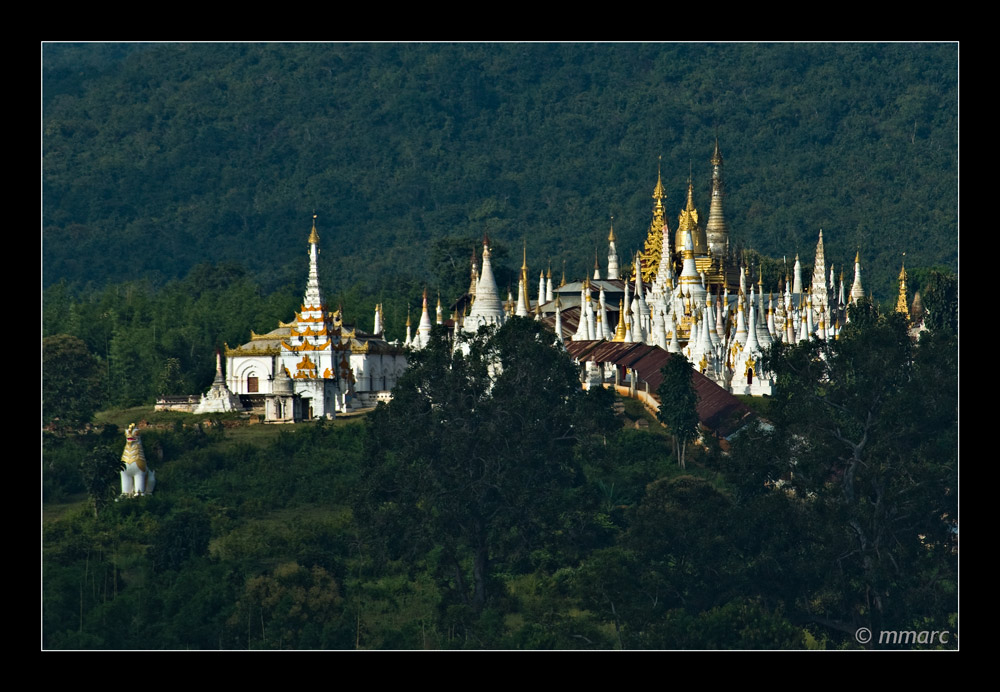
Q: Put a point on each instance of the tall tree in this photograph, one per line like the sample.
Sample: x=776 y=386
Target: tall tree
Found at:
x=101 y=471
x=474 y=456
x=870 y=423
x=72 y=379
x=678 y=400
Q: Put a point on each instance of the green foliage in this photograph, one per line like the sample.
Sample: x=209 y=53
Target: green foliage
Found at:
x=678 y=401
x=291 y=608
x=941 y=302
x=157 y=341
x=475 y=454
x=72 y=379
x=184 y=535
x=868 y=422
x=101 y=472
x=158 y=157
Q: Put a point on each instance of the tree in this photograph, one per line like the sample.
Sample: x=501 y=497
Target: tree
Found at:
x=101 y=471
x=171 y=380
x=473 y=460
x=941 y=302
x=72 y=380
x=870 y=429
x=183 y=535
x=677 y=404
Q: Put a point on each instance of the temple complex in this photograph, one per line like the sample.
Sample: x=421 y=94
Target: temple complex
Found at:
x=686 y=292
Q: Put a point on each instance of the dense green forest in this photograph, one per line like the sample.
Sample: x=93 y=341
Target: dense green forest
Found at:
x=504 y=507
x=158 y=157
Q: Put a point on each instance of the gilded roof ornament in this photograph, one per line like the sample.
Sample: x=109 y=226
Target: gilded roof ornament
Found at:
x=658 y=193
x=716 y=155
x=620 y=330
x=313 y=235
x=652 y=250
x=611 y=235
x=901 y=303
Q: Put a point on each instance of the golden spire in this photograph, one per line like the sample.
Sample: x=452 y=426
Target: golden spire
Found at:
x=549 y=274
x=716 y=155
x=408 y=317
x=688 y=220
x=563 y=282
x=901 y=305
x=716 y=230
x=658 y=193
x=524 y=264
x=611 y=235
x=314 y=236
x=649 y=258
x=620 y=330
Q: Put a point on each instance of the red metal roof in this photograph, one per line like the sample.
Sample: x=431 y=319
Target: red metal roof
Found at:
x=718 y=410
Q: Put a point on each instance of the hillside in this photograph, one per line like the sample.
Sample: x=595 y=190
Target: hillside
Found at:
x=158 y=157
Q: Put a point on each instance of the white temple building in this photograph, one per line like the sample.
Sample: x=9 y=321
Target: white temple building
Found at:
x=328 y=367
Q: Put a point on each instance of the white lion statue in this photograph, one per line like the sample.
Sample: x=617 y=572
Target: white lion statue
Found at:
x=137 y=478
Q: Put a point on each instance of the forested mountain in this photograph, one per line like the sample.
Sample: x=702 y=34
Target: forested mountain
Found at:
x=158 y=157
x=489 y=507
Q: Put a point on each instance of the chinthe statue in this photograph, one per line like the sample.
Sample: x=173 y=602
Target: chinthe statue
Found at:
x=137 y=478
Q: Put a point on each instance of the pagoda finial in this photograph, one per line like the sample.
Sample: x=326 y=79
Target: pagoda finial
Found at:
x=658 y=193
x=313 y=235
x=524 y=263
x=716 y=155
x=901 y=304
x=611 y=235
x=620 y=330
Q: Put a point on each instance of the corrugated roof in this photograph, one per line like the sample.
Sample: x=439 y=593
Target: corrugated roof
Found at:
x=718 y=410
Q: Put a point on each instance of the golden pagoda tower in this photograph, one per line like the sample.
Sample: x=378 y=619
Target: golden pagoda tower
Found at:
x=901 y=304
x=688 y=221
x=717 y=230
x=650 y=255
